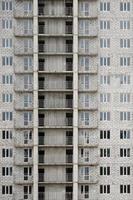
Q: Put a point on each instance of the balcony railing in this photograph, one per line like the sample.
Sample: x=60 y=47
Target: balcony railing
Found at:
x=41 y=85
x=41 y=29
x=69 y=121
x=69 y=177
x=69 y=84
x=69 y=103
x=69 y=158
x=69 y=48
x=69 y=29
x=55 y=196
x=45 y=49
x=41 y=121
x=41 y=66
x=69 y=140
x=41 y=177
x=69 y=66
x=69 y=195
x=68 y=11
x=41 y=196
x=41 y=159
x=43 y=11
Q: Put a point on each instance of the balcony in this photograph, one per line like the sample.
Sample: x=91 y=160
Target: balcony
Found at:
x=55 y=196
x=47 y=50
x=64 y=85
x=69 y=158
x=69 y=121
x=23 y=32
x=69 y=140
x=44 y=103
x=43 y=11
x=69 y=177
x=19 y=12
x=44 y=31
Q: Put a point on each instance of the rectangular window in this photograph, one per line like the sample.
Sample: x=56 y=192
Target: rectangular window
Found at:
x=6 y=153
x=6 y=171
x=124 y=43
x=6 y=5
x=7 y=79
x=105 y=98
x=124 y=97
x=104 y=171
x=104 y=116
x=27 y=100
x=105 y=80
x=105 y=61
x=104 y=43
x=105 y=152
x=124 y=61
x=125 y=116
x=124 y=25
x=124 y=79
x=6 y=134
x=104 y=6
x=7 y=61
x=6 y=189
x=27 y=63
x=27 y=154
x=7 y=42
x=124 y=134
x=104 y=25
x=85 y=118
x=124 y=152
x=27 y=118
x=7 y=24
x=124 y=170
x=124 y=189
x=125 y=6
x=7 y=116
x=104 y=189
x=7 y=98
x=104 y=134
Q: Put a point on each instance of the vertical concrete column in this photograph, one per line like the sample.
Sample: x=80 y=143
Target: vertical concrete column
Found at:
x=35 y=99
x=75 y=99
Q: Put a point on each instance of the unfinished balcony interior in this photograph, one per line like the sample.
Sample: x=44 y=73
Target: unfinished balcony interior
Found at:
x=50 y=156
x=23 y=9
x=55 y=83
x=52 y=46
x=23 y=175
x=51 y=138
x=55 y=119
x=87 y=64
x=53 y=9
x=54 y=27
x=52 y=192
x=55 y=175
x=55 y=64
x=23 y=28
x=23 y=64
x=88 y=9
x=50 y=101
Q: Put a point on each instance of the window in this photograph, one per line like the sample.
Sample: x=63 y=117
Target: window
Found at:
x=7 y=98
x=124 y=152
x=124 y=170
x=7 y=61
x=85 y=79
x=104 y=134
x=27 y=81
x=7 y=153
x=6 y=171
x=124 y=134
x=124 y=6
x=27 y=100
x=27 y=7
x=27 y=191
x=85 y=191
x=27 y=45
x=124 y=43
x=104 y=189
x=105 y=152
x=6 y=5
x=105 y=98
x=7 y=42
x=104 y=25
x=27 y=154
x=104 y=6
x=7 y=79
x=85 y=173
x=104 y=43
x=7 y=116
x=104 y=171
x=7 y=24
x=84 y=153
x=84 y=45
x=124 y=79
x=27 y=136
x=6 y=189
x=84 y=63
x=6 y=134
x=27 y=172
x=105 y=80
x=124 y=61
x=84 y=8
x=84 y=27
x=104 y=116
x=105 y=61
x=27 y=118
x=125 y=189
x=27 y=63
x=125 y=116
x=125 y=97
x=124 y=25
x=85 y=118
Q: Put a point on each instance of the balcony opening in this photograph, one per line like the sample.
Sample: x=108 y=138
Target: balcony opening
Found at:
x=69 y=119
x=41 y=156
x=41 y=27
x=69 y=27
x=41 y=119
x=41 y=64
x=41 y=7
x=68 y=8
x=41 y=138
x=69 y=137
x=41 y=46
x=41 y=100
x=69 y=192
x=41 y=193
x=69 y=82
x=69 y=174
x=69 y=155
x=69 y=46
x=41 y=83
x=69 y=64
x=41 y=173
x=69 y=101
